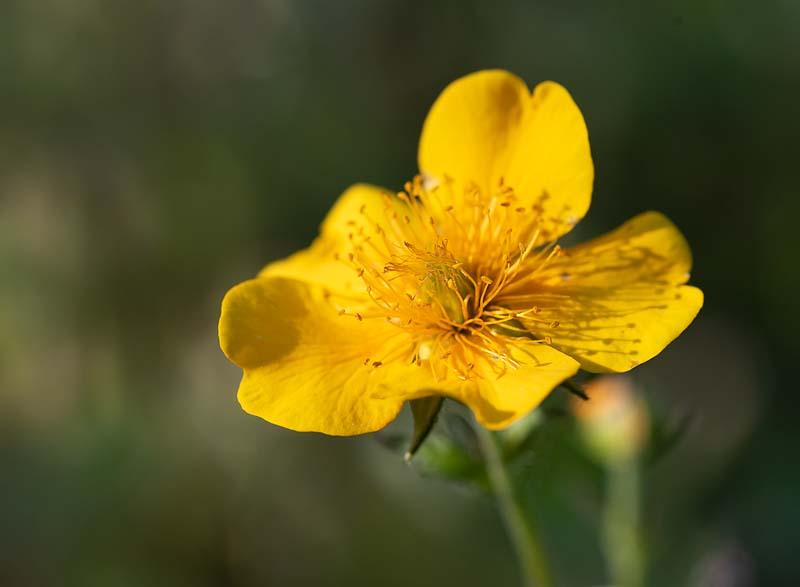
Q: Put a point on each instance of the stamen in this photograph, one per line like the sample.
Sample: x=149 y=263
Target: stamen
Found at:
x=450 y=265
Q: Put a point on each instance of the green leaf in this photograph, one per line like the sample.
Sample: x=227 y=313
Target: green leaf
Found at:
x=444 y=458
x=575 y=389
x=425 y=411
x=664 y=437
x=515 y=437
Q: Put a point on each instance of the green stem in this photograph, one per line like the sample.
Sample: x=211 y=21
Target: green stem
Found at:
x=523 y=536
x=623 y=541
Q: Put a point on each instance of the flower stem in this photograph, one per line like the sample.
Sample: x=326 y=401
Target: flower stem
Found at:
x=530 y=554
x=623 y=540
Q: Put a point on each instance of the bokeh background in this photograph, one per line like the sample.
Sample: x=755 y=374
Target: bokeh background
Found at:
x=152 y=154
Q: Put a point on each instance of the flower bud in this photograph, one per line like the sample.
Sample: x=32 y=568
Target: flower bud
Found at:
x=614 y=422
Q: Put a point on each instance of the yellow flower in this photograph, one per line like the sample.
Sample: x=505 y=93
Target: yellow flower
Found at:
x=456 y=286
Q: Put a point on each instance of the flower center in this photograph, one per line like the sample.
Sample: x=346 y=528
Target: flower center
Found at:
x=438 y=261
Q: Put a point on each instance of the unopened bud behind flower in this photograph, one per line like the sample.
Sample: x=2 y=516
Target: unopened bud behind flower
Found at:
x=614 y=422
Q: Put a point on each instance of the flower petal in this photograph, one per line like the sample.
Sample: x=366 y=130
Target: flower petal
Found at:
x=618 y=300
x=471 y=127
x=325 y=262
x=499 y=402
x=487 y=128
x=551 y=165
x=308 y=368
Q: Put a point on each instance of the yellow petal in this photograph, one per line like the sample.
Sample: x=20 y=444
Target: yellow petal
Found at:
x=487 y=126
x=325 y=262
x=308 y=368
x=551 y=164
x=499 y=402
x=472 y=125
x=616 y=301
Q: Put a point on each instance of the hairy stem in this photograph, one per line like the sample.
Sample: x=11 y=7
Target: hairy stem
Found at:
x=532 y=560
x=623 y=540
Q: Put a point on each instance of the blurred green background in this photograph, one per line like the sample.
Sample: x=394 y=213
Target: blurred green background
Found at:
x=152 y=154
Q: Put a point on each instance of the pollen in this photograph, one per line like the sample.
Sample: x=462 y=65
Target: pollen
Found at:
x=442 y=263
